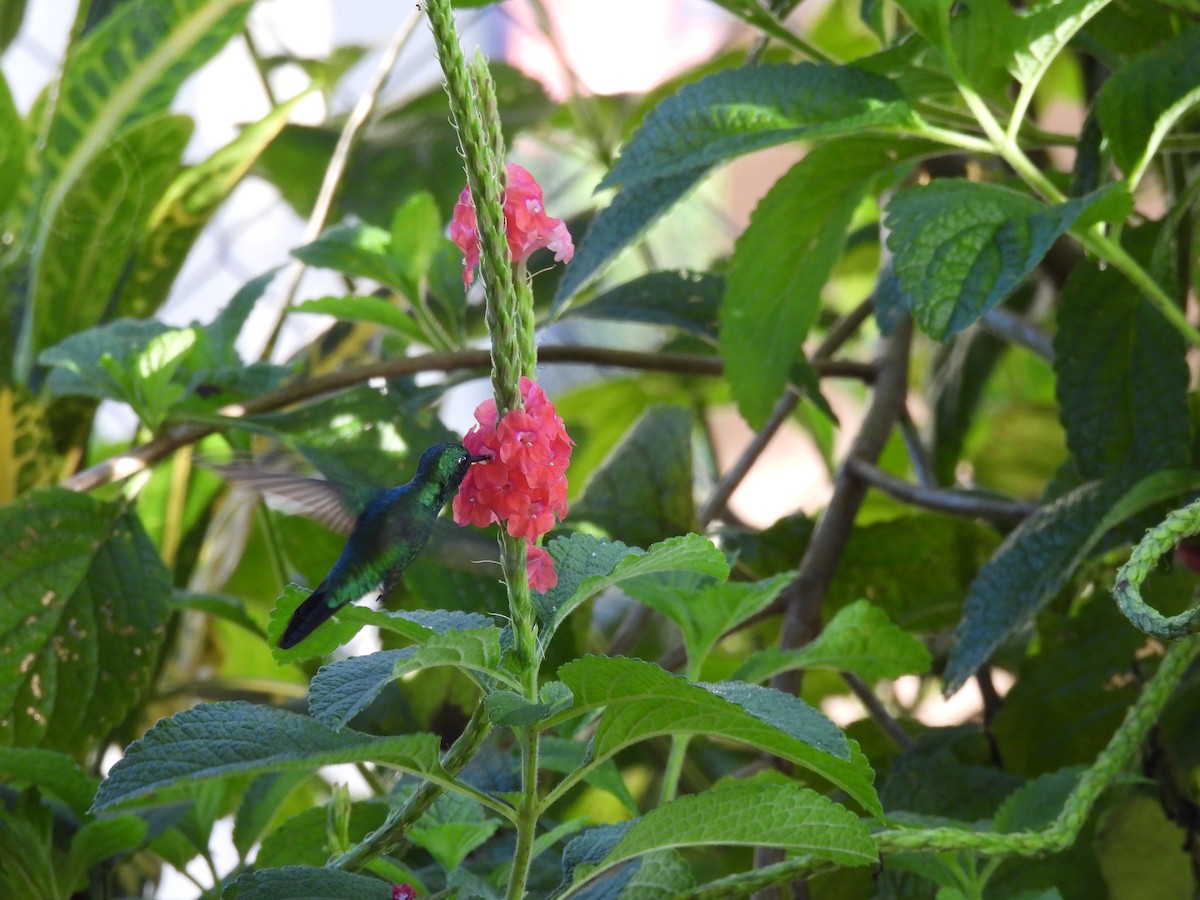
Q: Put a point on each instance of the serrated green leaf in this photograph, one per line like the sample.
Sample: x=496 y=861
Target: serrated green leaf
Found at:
x=452 y=829
x=323 y=641
x=618 y=225
x=343 y=689
x=735 y=111
x=1144 y=99
x=1039 y=557
x=859 y=639
x=511 y=709
x=684 y=300
x=643 y=491
x=95 y=227
x=52 y=773
x=704 y=610
x=759 y=814
x=375 y=310
x=587 y=565
x=929 y=17
x=217 y=740
x=1037 y=803
x=960 y=247
x=82 y=615
x=259 y=806
x=642 y=700
x=1120 y=414
x=784 y=257
x=1042 y=31
x=310 y=882
x=360 y=251
x=662 y=875
x=186 y=207
x=78 y=367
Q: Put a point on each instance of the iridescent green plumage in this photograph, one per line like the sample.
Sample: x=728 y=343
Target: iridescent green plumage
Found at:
x=387 y=529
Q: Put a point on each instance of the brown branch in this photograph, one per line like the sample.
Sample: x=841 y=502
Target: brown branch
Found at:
x=134 y=460
x=887 y=724
x=955 y=503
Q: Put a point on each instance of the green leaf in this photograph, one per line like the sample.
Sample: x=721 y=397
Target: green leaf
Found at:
x=1041 y=33
x=736 y=111
x=587 y=565
x=961 y=247
x=452 y=829
x=79 y=367
x=184 y=209
x=416 y=235
x=642 y=700
x=327 y=638
x=511 y=709
x=643 y=491
x=929 y=17
x=217 y=740
x=1038 y=558
x=260 y=804
x=99 y=840
x=1144 y=99
x=96 y=226
x=220 y=606
x=82 y=614
x=1037 y=803
x=1142 y=852
x=751 y=814
x=304 y=838
x=51 y=773
x=678 y=299
x=12 y=14
x=310 y=882
x=375 y=310
x=860 y=639
x=360 y=251
x=703 y=609
x=343 y=689
x=1120 y=414
x=784 y=258
x=565 y=756
x=620 y=224
x=663 y=874
x=12 y=142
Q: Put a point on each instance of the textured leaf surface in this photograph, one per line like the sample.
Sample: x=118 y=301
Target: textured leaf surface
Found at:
x=510 y=708
x=735 y=111
x=343 y=689
x=216 y=740
x=453 y=827
x=1121 y=412
x=1043 y=31
x=860 y=639
x=961 y=247
x=1144 y=99
x=783 y=259
x=360 y=251
x=304 y=838
x=587 y=565
x=760 y=814
x=309 y=882
x=684 y=300
x=643 y=492
x=83 y=606
x=1038 y=558
x=642 y=700
x=619 y=224
x=702 y=609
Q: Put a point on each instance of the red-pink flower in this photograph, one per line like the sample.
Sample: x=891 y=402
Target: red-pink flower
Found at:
x=404 y=891
x=524 y=483
x=527 y=226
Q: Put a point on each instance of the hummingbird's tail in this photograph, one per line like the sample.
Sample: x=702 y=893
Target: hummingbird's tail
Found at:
x=308 y=615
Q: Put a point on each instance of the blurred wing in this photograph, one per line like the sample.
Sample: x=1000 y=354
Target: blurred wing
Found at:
x=315 y=498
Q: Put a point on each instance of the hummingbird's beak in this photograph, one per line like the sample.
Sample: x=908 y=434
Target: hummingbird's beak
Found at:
x=484 y=458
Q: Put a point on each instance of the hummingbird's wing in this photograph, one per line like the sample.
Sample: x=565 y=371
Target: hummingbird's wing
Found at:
x=315 y=498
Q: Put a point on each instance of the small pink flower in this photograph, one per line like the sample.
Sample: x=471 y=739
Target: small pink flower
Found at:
x=527 y=226
x=524 y=483
x=404 y=892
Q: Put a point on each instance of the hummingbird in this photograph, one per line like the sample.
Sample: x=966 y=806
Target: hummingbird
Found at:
x=387 y=528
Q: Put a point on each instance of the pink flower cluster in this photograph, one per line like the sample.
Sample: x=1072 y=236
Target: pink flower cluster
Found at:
x=524 y=484
x=404 y=891
x=528 y=227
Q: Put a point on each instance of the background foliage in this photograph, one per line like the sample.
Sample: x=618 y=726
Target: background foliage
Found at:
x=978 y=314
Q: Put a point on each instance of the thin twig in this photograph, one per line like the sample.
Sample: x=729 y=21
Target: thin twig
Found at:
x=1010 y=327
x=332 y=181
x=916 y=450
x=956 y=503
x=134 y=460
x=887 y=724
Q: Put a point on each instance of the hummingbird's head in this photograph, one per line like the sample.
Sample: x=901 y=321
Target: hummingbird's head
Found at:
x=446 y=464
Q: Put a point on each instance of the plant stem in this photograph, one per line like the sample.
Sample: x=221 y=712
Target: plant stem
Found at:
x=527 y=814
x=674 y=767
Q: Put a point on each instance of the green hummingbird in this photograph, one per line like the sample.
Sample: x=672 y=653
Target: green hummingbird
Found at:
x=387 y=528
